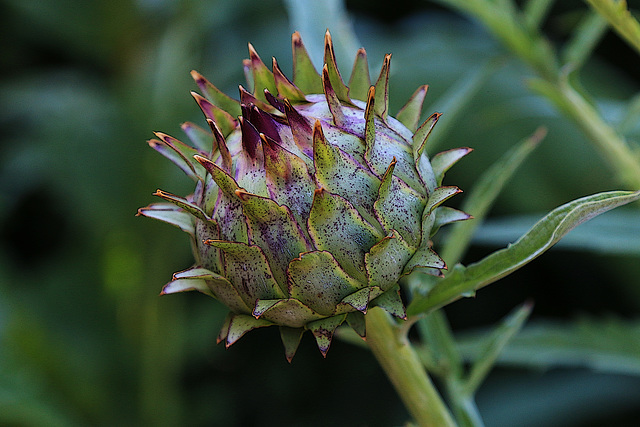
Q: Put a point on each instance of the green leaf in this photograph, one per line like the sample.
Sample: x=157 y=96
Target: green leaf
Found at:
x=608 y=345
x=535 y=11
x=443 y=161
x=285 y=312
x=614 y=233
x=548 y=231
x=381 y=106
x=391 y=302
x=202 y=139
x=330 y=64
x=305 y=75
x=584 y=40
x=620 y=18
x=493 y=344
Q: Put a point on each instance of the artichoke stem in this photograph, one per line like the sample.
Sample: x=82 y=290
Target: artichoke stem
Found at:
x=404 y=370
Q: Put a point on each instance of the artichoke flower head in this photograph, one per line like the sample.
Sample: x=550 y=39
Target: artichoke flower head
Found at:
x=311 y=201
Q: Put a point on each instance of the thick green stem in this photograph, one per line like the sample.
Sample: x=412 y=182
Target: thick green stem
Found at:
x=403 y=368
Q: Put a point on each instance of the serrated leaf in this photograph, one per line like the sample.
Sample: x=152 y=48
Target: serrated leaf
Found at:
x=548 y=231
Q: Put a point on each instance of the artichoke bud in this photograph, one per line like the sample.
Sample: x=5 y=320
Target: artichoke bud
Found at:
x=311 y=201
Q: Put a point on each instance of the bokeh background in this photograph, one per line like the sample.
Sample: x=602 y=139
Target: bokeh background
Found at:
x=84 y=337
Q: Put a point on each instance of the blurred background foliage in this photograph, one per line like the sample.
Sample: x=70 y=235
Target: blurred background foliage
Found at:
x=84 y=339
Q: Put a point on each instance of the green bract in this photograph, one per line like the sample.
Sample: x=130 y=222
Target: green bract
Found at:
x=311 y=202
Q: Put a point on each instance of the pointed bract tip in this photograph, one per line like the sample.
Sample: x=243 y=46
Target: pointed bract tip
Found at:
x=267 y=141
x=197 y=76
x=202 y=160
x=371 y=98
x=201 y=100
x=327 y=37
x=295 y=38
x=317 y=129
x=253 y=54
x=328 y=47
x=242 y=194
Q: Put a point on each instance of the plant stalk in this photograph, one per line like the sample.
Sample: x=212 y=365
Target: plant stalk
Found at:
x=403 y=368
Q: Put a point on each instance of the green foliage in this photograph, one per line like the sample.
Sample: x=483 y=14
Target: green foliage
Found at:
x=465 y=281
x=606 y=345
x=617 y=13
